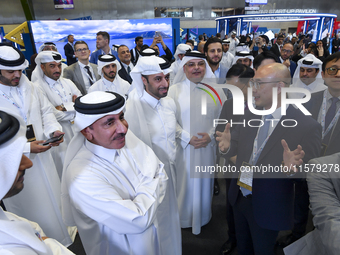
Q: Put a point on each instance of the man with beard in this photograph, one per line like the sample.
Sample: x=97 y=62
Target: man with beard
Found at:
x=227 y=57
x=194 y=189
x=113 y=183
x=108 y=67
x=213 y=51
x=135 y=52
x=152 y=118
x=308 y=76
x=103 y=47
x=61 y=92
x=18 y=235
x=41 y=200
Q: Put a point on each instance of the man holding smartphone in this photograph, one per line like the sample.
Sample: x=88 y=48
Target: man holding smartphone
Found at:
x=41 y=200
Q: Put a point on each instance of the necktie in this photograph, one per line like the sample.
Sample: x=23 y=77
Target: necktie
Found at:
x=89 y=73
x=263 y=132
x=128 y=69
x=331 y=112
x=329 y=117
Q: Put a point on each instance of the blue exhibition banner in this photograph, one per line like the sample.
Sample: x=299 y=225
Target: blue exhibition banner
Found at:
x=120 y=31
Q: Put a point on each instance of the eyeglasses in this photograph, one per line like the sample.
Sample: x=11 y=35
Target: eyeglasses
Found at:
x=286 y=51
x=80 y=50
x=258 y=84
x=332 y=70
x=193 y=64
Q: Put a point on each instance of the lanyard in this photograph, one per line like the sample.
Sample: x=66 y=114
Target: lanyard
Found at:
x=323 y=117
x=257 y=152
x=21 y=109
x=63 y=98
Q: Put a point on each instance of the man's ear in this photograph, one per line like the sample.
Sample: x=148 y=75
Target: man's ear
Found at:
x=42 y=67
x=145 y=82
x=87 y=132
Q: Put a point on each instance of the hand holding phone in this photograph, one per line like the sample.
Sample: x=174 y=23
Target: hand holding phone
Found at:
x=53 y=140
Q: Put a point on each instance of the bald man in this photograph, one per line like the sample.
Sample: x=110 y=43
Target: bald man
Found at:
x=263 y=201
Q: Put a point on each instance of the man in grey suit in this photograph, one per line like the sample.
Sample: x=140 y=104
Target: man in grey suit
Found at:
x=83 y=73
x=213 y=51
x=324 y=192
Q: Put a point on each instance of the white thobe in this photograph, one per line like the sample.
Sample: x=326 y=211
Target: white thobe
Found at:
x=60 y=92
x=194 y=189
x=227 y=59
x=315 y=86
x=23 y=237
x=174 y=67
x=232 y=45
x=118 y=85
x=159 y=119
x=114 y=196
x=40 y=200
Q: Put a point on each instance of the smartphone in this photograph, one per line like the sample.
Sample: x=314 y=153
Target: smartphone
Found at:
x=53 y=140
x=157 y=34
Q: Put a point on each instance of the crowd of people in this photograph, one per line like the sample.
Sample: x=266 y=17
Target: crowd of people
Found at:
x=119 y=145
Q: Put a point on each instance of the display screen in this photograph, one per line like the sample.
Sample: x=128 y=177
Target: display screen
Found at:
x=120 y=31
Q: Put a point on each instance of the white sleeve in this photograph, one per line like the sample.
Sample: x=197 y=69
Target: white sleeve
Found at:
x=94 y=196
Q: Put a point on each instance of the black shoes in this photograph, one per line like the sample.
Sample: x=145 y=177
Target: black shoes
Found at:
x=227 y=248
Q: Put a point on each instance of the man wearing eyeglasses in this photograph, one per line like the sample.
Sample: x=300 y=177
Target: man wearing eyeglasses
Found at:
x=325 y=105
x=263 y=202
x=83 y=73
x=286 y=52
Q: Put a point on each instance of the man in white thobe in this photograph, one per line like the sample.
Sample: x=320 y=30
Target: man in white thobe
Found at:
x=108 y=67
x=233 y=43
x=41 y=200
x=61 y=92
x=152 y=118
x=227 y=57
x=113 y=183
x=179 y=54
x=18 y=235
x=195 y=189
x=308 y=76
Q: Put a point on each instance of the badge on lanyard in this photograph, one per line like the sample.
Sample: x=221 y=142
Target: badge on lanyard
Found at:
x=30 y=135
x=245 y=178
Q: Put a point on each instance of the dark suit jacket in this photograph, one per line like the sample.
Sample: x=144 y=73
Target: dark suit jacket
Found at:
x=69 y=52
x=313 y=106
x=275 y=49
x=124 y=75
x=292 y=68
x=73 y=73
x=273 y=196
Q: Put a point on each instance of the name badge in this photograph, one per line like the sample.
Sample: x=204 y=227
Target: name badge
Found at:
x=323 y=149
x=245 y=178
x=30 y=135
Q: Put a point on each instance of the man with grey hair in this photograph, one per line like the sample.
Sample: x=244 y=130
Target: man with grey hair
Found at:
x=109 y=190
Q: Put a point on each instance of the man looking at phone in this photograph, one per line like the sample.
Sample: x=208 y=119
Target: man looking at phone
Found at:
x=41 y=200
